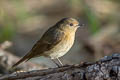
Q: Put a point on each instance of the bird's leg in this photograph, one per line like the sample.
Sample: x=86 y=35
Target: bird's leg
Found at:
x=60 y=62
x=55 y=62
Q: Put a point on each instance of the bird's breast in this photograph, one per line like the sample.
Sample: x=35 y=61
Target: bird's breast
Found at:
x=62 y=47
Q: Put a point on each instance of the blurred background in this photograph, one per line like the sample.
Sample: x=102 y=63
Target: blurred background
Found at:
x=22 y=23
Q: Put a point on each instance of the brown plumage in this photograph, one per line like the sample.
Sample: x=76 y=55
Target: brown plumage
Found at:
x=55 y=42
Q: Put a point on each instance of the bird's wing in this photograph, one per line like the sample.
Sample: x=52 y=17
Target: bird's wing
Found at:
x=50 y=39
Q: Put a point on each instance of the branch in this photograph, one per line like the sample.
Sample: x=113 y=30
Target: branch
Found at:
x=107 y=68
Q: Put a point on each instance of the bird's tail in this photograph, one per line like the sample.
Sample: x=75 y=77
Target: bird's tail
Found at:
x=25 y=58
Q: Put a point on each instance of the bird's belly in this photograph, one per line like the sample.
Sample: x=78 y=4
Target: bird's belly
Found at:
x=60 y=49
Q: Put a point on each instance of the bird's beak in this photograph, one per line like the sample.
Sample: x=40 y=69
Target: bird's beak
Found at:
x=81 y=25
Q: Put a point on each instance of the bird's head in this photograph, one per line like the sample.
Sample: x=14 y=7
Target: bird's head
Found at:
x=68 y=24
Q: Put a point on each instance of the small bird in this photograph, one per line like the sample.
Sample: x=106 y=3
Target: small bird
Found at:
x=55 y=42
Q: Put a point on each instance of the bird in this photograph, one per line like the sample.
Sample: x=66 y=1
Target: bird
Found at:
x=55 y=42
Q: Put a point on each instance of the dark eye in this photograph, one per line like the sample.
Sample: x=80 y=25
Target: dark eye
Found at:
x=71 y=24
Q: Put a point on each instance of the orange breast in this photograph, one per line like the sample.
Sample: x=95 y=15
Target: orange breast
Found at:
x=63 y=47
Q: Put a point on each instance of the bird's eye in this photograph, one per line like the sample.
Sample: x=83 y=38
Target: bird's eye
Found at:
x=71 y=24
